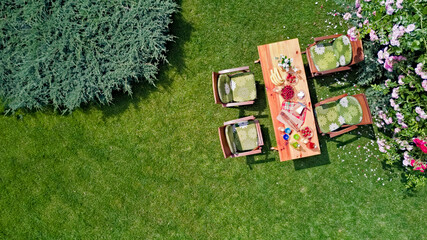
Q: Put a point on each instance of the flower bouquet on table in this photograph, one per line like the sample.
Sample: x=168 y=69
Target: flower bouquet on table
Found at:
x=286 y=63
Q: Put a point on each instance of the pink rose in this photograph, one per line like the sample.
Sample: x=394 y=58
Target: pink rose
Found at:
x=421 y=144
x=399 y=4
x=347 y=16
x=410 y=28
x=373 y=35
x=400 y=81
x=424 y=84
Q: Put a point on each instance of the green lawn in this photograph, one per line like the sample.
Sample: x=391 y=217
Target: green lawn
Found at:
x=150 y=166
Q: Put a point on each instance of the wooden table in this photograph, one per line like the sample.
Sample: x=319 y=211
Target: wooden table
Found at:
x=269 y=54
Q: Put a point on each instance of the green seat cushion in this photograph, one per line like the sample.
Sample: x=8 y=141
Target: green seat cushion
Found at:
x=349 y=110
x=229 y=135
x=243 y=87
x=224 y=89
x=342 y=50
x=328 y=117
x=245 y=136
x=324 y=57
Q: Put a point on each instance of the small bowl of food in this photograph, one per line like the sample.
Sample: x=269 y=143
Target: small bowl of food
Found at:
x=288 y=92
x=301 y=94
x=307 y=132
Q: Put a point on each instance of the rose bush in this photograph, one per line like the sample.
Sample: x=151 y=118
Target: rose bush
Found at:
x=394 y=36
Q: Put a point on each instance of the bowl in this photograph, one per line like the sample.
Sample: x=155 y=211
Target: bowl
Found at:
x=288 y=92
x=306 y=132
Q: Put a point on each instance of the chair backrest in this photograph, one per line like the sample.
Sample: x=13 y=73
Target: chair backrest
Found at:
x=215 y=87
x=223 y=140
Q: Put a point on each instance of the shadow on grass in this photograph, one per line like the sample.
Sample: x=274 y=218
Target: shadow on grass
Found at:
x=250 y=160
x=260 y=103
x=314 y=161
x=362 y=131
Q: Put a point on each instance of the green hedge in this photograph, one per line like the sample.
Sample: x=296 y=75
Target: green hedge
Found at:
x=65 y=53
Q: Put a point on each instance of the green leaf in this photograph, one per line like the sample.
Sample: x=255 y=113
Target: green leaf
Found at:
x=416 y=45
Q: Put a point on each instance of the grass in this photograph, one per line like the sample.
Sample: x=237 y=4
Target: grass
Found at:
x=150 y=166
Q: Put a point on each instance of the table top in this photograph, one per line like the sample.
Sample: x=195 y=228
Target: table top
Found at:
x=269 y=54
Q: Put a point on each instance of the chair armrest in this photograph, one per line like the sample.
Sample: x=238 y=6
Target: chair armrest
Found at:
x=332 y=99
x=234 y=104
x=337 y=133
x=318 y=39
x=239 y=120
x=248 y=153
x=243 y=69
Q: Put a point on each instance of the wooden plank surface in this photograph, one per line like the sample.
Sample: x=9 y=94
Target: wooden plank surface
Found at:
x=268 y=56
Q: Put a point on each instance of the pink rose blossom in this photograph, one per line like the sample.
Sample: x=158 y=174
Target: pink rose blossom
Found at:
x=374 y=13
x=405 y=162
x=347 y=16
x=380 y=55
x=421 y=112
x=396 y=108
x=410 y=28
x=398 y=58
x=395 y=42
x=396 y=130
x=400 y=81
x=419 y=68
x=389 y=10
x=400 y=121
x=394 y=105
x=424 y=84
x=419 y=71
x=395 y=93
x=373 y=35
x=388 y=64
x=387 y=82
x=366 y=22
x=357 y=3
x=399 y=116
x=352 y=34
x=383 y=54
x=399 y=4
x=421 y=144
x=359 y=10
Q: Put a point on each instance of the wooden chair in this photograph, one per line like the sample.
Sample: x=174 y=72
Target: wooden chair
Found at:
x=230 y=72
x=224 y=143
x=366 y=116
x=357 y=56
